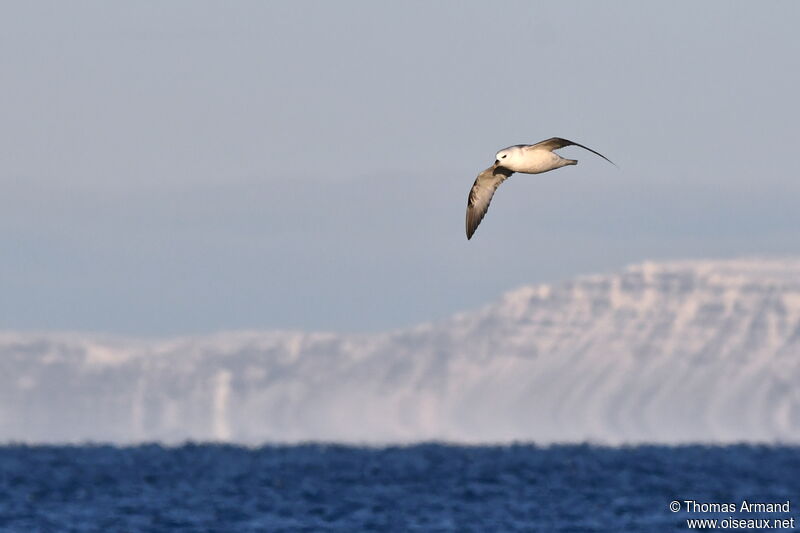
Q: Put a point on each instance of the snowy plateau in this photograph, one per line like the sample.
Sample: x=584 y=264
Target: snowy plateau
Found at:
x=684 y=351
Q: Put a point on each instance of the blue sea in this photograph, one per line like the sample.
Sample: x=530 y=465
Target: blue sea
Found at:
x=426 y=487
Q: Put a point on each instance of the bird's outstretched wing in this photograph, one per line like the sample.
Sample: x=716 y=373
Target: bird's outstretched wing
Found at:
x=557 y=142
x=481 y=195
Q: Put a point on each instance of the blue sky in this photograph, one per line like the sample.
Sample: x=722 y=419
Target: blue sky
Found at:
x=186 y=167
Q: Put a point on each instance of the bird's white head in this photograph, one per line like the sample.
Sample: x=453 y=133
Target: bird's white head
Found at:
x=505 y=156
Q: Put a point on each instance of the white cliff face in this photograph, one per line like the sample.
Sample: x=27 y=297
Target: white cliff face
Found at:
x=686 y=351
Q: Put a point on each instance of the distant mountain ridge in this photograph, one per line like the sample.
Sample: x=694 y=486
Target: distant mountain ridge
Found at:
x=684 y=351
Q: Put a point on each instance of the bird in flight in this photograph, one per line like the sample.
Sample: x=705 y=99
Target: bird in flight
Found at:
x=524 y=158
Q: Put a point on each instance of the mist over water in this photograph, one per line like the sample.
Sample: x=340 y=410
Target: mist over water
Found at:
x=677 y=352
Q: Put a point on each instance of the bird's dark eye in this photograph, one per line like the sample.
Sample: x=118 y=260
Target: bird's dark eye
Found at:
x=503 y=157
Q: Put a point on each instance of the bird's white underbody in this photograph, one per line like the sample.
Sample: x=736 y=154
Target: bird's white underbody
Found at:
x=530 y=159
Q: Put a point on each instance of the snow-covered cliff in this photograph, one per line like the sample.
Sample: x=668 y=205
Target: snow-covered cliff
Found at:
x=661 y=352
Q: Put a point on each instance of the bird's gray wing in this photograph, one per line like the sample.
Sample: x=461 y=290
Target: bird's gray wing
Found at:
x=481 y=195
x=557 y=142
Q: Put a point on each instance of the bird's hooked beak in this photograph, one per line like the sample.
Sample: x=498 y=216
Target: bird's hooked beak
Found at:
x=496 y=161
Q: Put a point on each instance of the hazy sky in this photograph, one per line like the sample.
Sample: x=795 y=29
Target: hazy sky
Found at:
x=183 y=167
